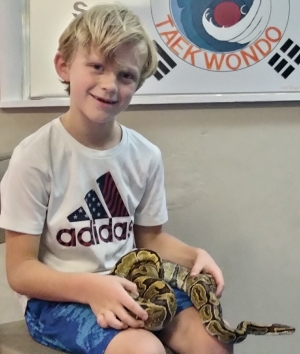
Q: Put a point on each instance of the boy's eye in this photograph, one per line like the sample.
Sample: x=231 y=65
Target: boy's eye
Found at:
x=97 y=67
x=128 y=76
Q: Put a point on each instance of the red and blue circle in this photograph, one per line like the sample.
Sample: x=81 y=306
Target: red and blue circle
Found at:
x=188 y=14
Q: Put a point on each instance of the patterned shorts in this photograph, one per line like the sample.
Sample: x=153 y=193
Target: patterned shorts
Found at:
x=72 y=327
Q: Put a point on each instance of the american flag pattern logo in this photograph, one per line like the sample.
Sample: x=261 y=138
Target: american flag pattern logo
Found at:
x=115 y=206
x=112 y=196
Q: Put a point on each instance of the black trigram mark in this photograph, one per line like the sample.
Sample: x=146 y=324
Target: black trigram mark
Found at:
x=284 y=65
x=165 y=65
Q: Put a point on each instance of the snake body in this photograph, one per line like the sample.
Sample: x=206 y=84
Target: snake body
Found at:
x=155 y=278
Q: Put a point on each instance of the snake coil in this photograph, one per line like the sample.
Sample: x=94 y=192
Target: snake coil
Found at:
x=155 y=278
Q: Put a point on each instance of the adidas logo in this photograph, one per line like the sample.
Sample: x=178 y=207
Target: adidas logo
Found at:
x=165 y=65
x=285 y=64
x=106 y=221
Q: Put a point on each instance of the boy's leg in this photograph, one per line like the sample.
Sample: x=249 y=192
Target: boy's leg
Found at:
x=186 y=333
x=73 y=328
x=135 y=341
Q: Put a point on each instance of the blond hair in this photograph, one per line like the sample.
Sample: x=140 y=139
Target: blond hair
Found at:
x=105 y=27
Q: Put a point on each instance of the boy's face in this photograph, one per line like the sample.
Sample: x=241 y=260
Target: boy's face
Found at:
x=100 y=90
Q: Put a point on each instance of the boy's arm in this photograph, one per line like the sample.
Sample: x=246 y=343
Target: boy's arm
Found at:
x=108 y=296
x=172 y=249
x=27 y=275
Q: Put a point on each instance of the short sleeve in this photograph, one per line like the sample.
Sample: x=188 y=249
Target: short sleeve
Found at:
x=152 y=209
x=24 y=193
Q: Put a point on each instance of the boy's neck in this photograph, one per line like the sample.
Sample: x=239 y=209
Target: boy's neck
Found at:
x=93 y=135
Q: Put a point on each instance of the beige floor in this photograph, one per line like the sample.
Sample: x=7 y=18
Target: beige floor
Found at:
x=10 y=309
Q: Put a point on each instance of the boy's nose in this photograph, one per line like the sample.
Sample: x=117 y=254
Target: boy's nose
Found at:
x=108 y=81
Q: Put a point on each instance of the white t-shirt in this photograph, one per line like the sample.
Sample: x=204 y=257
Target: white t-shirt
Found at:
x=82 y=201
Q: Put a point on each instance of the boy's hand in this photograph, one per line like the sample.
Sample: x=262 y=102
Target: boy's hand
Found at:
x=110 y=301
x=205 y=264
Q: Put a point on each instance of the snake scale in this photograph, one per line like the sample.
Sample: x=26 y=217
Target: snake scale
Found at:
x=155 y=278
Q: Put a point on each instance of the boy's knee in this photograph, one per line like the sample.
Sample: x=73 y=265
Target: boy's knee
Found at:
x=187 y=335
x=221 y=348
x=135 y=341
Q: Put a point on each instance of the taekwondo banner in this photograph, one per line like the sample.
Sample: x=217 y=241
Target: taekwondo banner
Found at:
x=207 y=47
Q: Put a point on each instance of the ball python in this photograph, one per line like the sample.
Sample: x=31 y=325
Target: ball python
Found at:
x=155 y=278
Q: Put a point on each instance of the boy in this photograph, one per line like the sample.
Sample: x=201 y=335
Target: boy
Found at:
x=83 y=191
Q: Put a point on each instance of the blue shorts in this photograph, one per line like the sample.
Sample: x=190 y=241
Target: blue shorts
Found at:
x=72 y=327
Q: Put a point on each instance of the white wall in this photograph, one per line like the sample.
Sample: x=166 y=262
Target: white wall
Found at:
x=233 y=188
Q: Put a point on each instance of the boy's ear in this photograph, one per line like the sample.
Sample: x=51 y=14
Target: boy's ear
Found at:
x=61 y=67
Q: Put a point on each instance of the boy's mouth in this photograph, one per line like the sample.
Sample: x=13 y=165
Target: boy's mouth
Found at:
x=104 y=100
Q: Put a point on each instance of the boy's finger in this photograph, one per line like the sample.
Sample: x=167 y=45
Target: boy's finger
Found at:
x=112 y=321
x=101 y=321
x=127 y=319
x=220 y=288
x=129 y=286
x=197 y=268
x=218 y=276
x=216 y=273
x=135 y=308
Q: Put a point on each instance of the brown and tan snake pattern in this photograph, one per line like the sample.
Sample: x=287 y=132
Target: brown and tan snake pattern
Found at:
x=155 y=278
